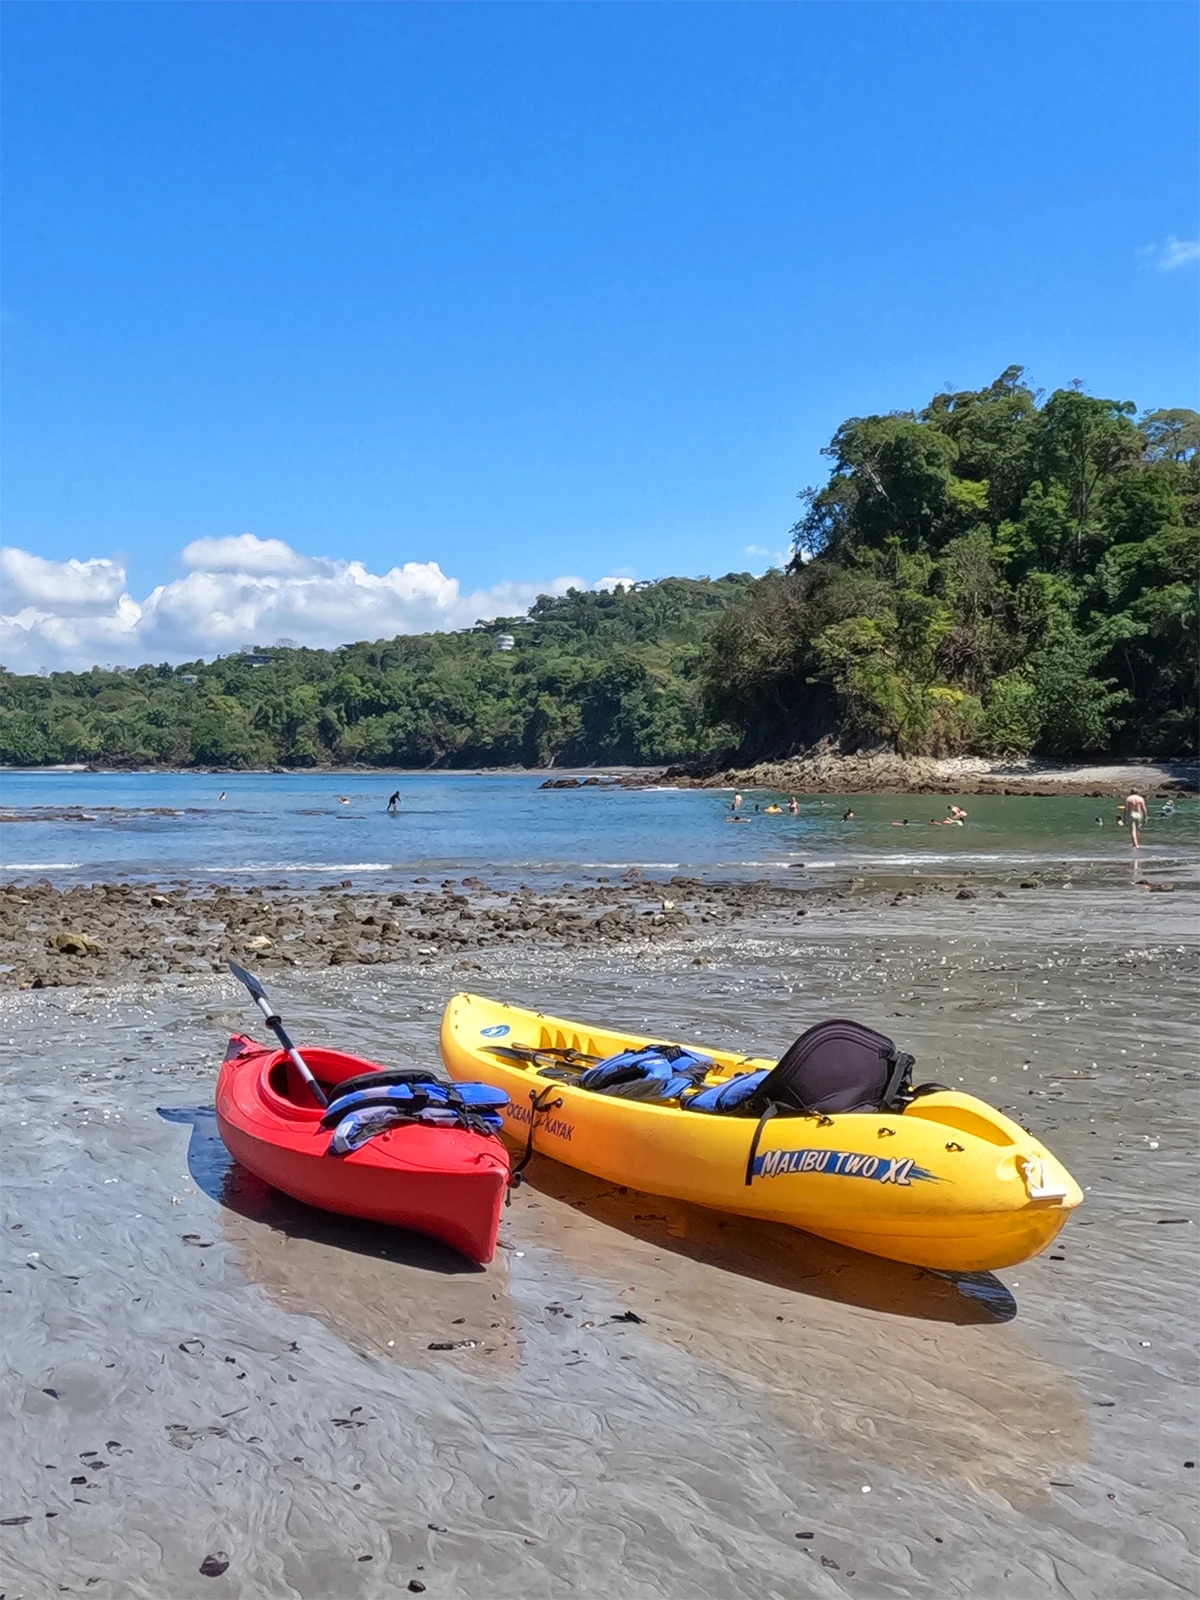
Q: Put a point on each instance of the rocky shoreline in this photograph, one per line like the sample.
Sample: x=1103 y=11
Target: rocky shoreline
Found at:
x=957 y=775
x=108 y=933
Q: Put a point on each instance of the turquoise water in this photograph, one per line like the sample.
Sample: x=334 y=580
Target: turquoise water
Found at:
x=295 y=826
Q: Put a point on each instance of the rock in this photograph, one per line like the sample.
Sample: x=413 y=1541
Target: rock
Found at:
x=72 y=943
x=214 y=1565
x=259 y=942
x=966 y=894
x=158 y=901
x=1028 y=883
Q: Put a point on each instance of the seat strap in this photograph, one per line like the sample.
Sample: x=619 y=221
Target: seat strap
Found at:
x=769 y=1111
x=900 y=1065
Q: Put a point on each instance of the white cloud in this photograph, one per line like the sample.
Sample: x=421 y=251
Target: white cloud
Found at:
x=1172 y=253
x=85 y=587
x=236 y=591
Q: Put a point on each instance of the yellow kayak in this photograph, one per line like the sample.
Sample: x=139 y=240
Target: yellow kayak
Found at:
x=948 y=1183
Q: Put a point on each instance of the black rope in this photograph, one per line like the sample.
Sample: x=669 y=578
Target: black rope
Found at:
x=537 y=1104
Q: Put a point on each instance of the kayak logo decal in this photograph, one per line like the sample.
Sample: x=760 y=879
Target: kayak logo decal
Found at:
x=554 y=1126
x=900 y=1170
x=497 y=1031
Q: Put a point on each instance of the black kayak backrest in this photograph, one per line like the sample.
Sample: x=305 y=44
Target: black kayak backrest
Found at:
x=837 y=1066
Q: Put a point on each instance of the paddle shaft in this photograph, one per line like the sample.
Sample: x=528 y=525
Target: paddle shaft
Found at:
x=271 y=1017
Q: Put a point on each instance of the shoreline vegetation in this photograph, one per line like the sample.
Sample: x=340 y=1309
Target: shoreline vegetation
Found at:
x=998 y=576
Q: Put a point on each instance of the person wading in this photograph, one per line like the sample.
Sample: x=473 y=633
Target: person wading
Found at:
x=1135 y=814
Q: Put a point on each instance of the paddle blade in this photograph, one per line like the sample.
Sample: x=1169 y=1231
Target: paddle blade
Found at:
x=251 y=982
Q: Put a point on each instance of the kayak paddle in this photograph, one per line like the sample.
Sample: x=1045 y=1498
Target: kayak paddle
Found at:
x=259 y=995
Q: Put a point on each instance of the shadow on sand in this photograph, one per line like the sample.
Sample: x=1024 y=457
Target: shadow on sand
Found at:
x=217 y=1175
x=771 y=1253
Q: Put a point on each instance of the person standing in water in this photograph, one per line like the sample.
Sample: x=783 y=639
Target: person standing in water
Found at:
x=737 y=803
x=793 y=805
x=394 y=802
x=1135 y=814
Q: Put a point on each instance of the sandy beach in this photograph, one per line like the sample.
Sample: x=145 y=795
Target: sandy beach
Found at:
x=200 y=1372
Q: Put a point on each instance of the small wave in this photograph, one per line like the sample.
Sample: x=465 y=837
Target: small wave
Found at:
x=616 y=866
x=39 y=866
x=309 y=866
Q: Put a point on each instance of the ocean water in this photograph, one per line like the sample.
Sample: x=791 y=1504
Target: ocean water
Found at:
x=309 y=827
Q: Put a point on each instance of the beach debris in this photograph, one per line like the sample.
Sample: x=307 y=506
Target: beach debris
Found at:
x=13 y=1522
x=53 y=1393
x=627 y=1316
x=436 y=1527
x=453 y=1344
x=183 y=1437
x=416 y=1586
x=806 y=1536
x=192 y=1346
x=828 y=1561
x=214 y=1565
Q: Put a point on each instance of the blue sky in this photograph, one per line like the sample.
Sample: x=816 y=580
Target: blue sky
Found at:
x=538 y=290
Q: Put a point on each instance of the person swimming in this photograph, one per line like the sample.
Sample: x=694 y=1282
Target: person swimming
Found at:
x=847 y=816
x=772 y=810
x=221 y=796
x=1168 y=810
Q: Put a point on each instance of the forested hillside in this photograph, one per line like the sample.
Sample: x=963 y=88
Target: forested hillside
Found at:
x=591 y=677
x=992 y=574
x=1000 y=573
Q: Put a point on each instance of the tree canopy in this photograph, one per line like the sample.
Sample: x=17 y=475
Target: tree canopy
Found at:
x=591 y=677
x=1002 y=572
x=993 y=574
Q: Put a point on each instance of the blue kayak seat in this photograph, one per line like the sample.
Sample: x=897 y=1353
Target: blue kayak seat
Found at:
x=727 y=1096
x=658 y=1072
x=366 y=1112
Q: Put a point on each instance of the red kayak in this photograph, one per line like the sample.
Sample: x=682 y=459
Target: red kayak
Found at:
x=446 y=1182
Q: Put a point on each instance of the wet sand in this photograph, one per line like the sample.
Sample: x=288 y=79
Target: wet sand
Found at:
x=227 y=1374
